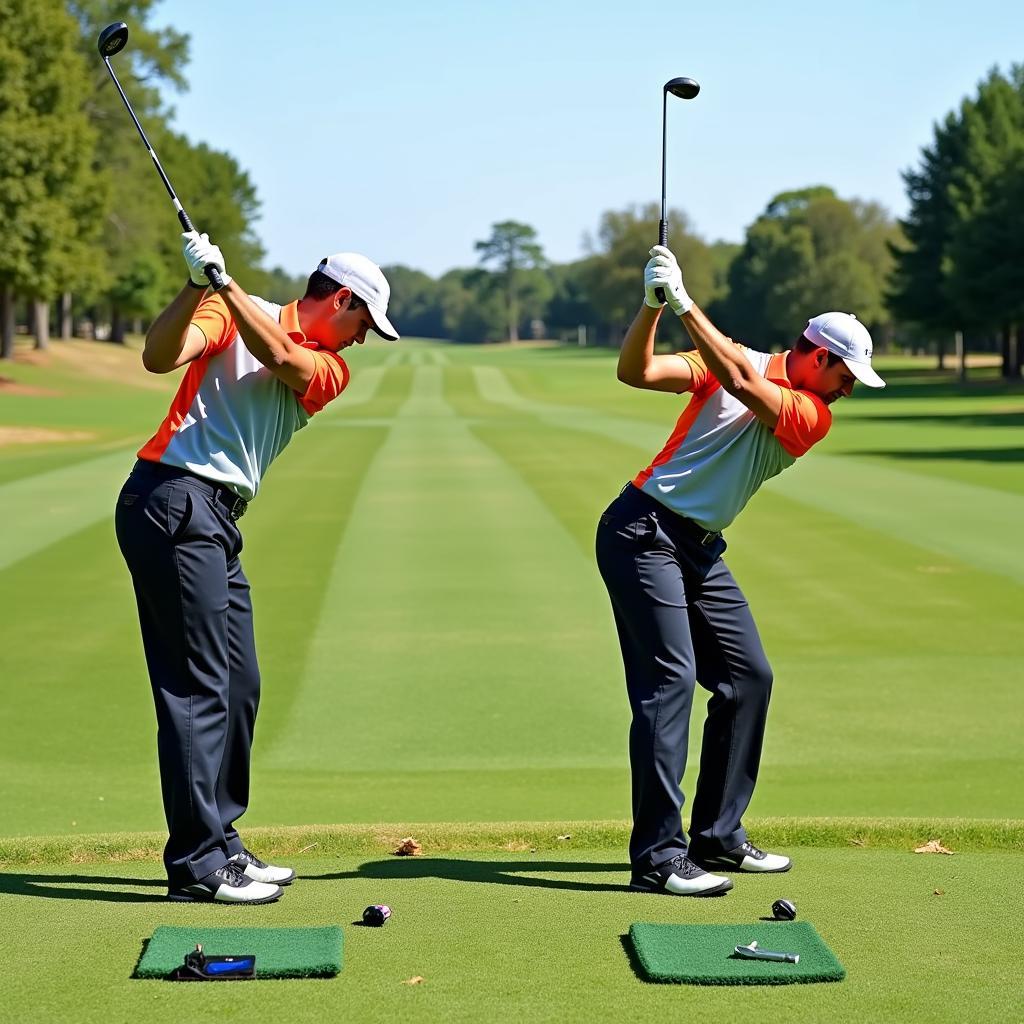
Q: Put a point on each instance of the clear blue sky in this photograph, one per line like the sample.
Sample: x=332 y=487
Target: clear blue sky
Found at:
x=405 y=129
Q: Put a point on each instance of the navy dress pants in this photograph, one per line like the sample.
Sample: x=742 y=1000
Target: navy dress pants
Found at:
x=682 y=619
x=181 y=546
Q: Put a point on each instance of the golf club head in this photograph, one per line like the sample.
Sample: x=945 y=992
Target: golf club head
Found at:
x=112 y=39
x=684 y=88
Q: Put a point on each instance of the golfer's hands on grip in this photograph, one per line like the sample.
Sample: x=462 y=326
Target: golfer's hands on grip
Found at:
x=662 y=271
x=199 y=253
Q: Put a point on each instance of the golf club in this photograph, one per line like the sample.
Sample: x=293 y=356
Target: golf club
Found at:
x=752 y=952
x=685 y=89
x=111 y=41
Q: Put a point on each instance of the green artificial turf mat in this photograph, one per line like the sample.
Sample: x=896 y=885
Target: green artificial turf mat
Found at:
x=279 y=952
x=704 y=954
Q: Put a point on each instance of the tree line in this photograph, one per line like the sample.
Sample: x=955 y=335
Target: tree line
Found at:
x=87 y=246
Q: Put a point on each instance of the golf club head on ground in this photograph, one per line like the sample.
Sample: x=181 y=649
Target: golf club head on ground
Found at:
x=684 y=88
x=113 y=39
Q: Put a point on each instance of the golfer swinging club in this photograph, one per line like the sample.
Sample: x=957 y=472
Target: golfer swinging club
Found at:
x=256 y=373
x=680 y=615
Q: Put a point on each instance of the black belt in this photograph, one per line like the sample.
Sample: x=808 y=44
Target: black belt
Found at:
x=234 y=504
x=673 y=521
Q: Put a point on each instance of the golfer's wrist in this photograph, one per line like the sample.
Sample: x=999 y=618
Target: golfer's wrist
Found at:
x=192 y=284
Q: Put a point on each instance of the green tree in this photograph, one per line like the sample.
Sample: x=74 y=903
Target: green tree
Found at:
x=513 y=249
x=612 y=276
x=416 y=305
x=50 y=195
x=986 y=249
x=142 y=234
x=474 y=307
x=809 y=251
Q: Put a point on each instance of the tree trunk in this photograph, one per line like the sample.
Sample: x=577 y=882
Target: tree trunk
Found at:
x=41 y=322
x=1010 y=352
x=66 y=327
x=513 y=312
x=6 y=322
x=116 y=326
x=940 y=344
x=961 y=356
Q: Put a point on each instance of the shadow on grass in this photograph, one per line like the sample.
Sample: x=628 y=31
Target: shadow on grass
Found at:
x=488 y=872
x=947 y=454
x=80 y=887
x=992 y=418
x=634 y=960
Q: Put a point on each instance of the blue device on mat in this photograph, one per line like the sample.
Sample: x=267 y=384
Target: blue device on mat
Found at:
x=200 y=967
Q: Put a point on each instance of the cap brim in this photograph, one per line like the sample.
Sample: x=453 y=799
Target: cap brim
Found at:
x=381 y=324
x=864 y=373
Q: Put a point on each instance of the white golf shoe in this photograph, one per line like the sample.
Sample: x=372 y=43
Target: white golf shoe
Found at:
x=228 y=884
x=260 y=871
x=680 y=877
x=746 y=858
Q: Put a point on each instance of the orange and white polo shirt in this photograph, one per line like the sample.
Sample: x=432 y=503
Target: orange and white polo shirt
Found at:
x=231 y=416
x=720 y=453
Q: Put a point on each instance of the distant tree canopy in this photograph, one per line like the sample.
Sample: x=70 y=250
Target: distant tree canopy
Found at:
x=93 y=220
x=809 y=252
x=514 y=251
x=962 y=263
x=51 y=196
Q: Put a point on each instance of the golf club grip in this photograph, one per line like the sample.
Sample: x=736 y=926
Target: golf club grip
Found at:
x=212 y=273
x=659 y=293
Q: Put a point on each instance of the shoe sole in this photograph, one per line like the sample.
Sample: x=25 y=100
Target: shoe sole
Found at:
x=737 y=869
x=176 y=897
x=718 y=890
x=275 y=882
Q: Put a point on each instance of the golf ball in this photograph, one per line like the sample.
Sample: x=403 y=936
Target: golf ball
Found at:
x=783 y=910
x=376 y=914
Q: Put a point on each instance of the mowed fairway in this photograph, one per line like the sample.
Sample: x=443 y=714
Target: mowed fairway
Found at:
x=436 y=646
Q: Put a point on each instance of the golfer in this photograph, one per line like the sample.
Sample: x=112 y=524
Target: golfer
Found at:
x=680 y=615
x=256 y=373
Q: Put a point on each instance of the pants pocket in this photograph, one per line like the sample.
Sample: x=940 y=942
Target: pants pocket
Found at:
x=179 y=512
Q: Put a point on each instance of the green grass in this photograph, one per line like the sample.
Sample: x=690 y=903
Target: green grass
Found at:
x=436 y=647
x=532 y=937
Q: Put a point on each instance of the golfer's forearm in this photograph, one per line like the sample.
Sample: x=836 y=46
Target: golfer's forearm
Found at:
x=267 y=340
x=638 y=345
x=720 y=354
x=166 y=338
x=263 y=337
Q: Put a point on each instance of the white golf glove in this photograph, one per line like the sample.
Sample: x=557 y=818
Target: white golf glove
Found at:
x=663 y=272
x=199 y=253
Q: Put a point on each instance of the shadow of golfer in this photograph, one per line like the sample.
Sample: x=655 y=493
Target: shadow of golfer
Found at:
x=512 y=872
x=80 y=887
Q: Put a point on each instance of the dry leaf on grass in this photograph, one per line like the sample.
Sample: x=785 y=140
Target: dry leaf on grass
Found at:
x=858 y=842
x=408 y=847
x=415 y=980
x=933 y=846
x=565 y=837
x=938 y=892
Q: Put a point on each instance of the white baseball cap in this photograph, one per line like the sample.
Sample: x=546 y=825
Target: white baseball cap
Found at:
x=844 y=335
x=365 y=279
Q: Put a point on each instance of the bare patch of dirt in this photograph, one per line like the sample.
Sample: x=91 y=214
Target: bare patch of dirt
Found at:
x=13 y=387
x=40 y=435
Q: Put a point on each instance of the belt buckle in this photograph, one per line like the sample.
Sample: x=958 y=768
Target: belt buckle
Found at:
x=709 y=536
x=237 y=508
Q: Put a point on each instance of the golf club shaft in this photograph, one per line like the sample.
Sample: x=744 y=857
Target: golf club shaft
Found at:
x=212 y=273
x=659 y=293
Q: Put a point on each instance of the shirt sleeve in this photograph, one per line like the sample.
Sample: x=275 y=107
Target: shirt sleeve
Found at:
x=803 y=421
x=330 y=378
x=214 y=319
x=701 y=374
